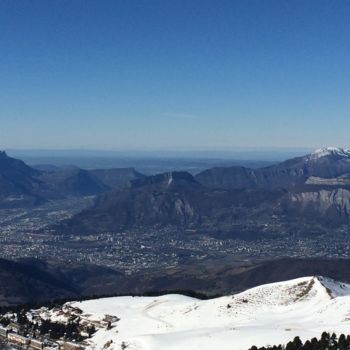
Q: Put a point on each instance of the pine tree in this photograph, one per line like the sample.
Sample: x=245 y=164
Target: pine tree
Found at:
x=297 y=343
x=291 y=346
x=307 y=345
x=314 y=344
x=324 y=342
x=342 y=342
x=253 y=348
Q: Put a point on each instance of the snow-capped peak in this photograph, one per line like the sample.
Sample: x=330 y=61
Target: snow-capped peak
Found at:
x=328 y=151
x=310 y=289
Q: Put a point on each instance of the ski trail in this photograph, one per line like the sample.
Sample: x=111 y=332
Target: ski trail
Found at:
x=152 y=305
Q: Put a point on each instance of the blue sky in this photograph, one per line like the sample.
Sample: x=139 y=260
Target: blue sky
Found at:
x=174 y=74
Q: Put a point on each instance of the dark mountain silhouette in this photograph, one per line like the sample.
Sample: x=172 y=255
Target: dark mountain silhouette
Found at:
x=222 y=278
x=22 y=185
x=70 y=182
x=36 y=281
x=18 y=182
x=31 y=280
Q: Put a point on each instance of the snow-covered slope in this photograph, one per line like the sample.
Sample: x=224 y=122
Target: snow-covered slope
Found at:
x=273 y=313
x=330 y=151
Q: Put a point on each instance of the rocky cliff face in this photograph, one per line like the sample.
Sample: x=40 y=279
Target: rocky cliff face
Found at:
x=156 y=200
x=340 y=181
x=170 y=199
x=333 y=204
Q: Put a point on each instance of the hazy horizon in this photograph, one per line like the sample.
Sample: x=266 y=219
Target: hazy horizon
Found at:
x=248 y=153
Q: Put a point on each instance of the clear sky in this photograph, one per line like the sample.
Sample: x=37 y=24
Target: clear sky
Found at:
x=174 y=74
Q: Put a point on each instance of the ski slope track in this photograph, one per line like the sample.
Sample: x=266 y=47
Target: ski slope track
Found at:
x=265 y=315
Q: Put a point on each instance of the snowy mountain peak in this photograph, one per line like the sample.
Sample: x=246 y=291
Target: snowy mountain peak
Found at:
x=306 y=289
x=330 y=151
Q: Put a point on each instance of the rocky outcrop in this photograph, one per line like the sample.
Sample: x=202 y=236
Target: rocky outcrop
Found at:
x=329 y=204
x=340 y=181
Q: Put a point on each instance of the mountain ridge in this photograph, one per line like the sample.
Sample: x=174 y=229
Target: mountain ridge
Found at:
x=324 y=163
x=22 y=185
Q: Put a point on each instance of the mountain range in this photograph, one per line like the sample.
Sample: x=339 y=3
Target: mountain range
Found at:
x=323 y=163
x=313 y=188
x=21 y=185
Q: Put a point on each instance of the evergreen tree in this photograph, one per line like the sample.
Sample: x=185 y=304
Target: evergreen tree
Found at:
x=307 y=345
x=342 y=344
x=314 y=344
x=291 y=346
x=324 y=342
x=297 y=343
x=253 y=348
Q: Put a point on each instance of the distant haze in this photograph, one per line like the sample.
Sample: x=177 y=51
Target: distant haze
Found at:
x=261 y=153
x=152 y=162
